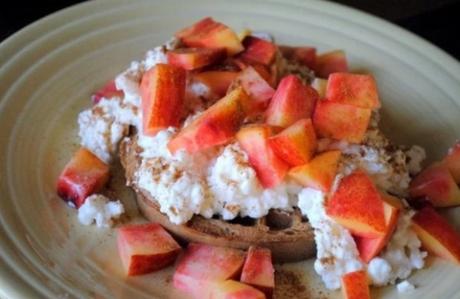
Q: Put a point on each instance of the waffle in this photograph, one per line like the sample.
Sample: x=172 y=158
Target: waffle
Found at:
x=287 y=234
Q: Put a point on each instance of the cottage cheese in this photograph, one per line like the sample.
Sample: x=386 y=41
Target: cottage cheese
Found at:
x=100 y=210
x=336 y=250
x=405 y=287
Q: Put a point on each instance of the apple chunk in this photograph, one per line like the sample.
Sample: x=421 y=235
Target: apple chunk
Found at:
x=145 y=248
x=357 y=205
x=217 y=82
x=258 y=270
x=319 y=173
x=330 y=62
x=355 y=285
x=320 y=86
x=162 y=91
x=194 y=58
x=296 y=144
x=341 y=121
x=353 y=89
x=437 y=185
x=83 y=175
x=292 y=101
x=216 y=126
x=304 y=55
x=452 y=161
x=258 y=50
x=202 y=265
x=269 y=167
x=437 y=235
x=208 y=33
x=109 y=90
x=231 y=289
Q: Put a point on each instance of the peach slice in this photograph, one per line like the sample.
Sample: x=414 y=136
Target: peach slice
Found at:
x=357 y=205
x=83 y=175
x=303 y=55
x=319 y=173
x=292 y=101
x=258 y=270
x=370 y=247
x=231 y=289
x=216 y=126
x=452 y=161
x=437 y=185
x=145 y=248
x=109 y=90
x=218 y=82
x=355 y=285
x=162 y=91
x=331 y=62
x=437 y=235
x=320 y=86
x=202 y=265
x=353 y=89
x=269 y=167
x=258 y=50
x=208 y=33
x=341 y=121
x=296 y=144
x=194 y=58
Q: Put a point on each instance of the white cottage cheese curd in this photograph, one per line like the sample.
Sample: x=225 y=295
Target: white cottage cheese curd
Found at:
x=100 y=210
x=405 y=287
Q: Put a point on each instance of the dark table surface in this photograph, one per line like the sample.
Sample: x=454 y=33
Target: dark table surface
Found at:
x=437 y=21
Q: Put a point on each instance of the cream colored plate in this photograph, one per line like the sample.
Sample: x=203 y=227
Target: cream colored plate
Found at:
x=48 y=70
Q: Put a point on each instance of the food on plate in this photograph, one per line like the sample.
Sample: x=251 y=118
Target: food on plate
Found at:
x=254 y=153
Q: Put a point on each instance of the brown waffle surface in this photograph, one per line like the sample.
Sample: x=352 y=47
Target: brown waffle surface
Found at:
x=287 y=234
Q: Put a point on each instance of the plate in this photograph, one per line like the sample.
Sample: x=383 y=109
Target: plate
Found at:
x=49 y=69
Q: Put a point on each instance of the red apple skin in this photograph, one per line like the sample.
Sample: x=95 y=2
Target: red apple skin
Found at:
x=436 y=184
x=452 y=161
x=216 y=126
x=355 y=285
x=331 y=62
x=145 y=248
x=202 y=265
x=218 y=82
x=194 y=58
x=109 y=90
x=258 y=50
x=270 y=169
x=437 y=235
x=162 y=92
x=353 y=89
x=83 y=175
x=292 y=101
x=258 y=270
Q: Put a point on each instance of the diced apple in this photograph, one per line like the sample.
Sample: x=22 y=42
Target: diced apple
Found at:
x=357 y=205
x=355 y=285
x=353 y=89
x=258 y=270
x=218 y=82
x=259 y=91
x=231 y=289
x=303 y=55
x=258 y=50
x=319 y=173
x=216 y=126
x=202 y=265
x=452 y=161
x=194 y=58
x=370 y=247
x=292 y=101
x=208 y=33
x=162 y=91
x=296 y=144
x=320 y=86
x=437 y=235
x=83 y=175
x=437 y=185
x=269 y=167
x=145 y=248
x=109 y=90
x=331 y=62
x=341 y=121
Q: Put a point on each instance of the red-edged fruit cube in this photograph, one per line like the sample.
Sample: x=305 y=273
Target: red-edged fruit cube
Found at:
x=194 y=58
x=216 y=126
x=353 y=89
x=218 y=82
x=296 y=144
x=145 y=248
x=269 y=167
x=331 y=62
x=162 y=91
x=203 y=265
x=84 y=175
x=341 y=121
x=258 y=270
x=303 y=55
x=258 y=50
x=355 y=285
x=109 y=90
x=292 y=101
x=231 y=289
x=208 y=33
